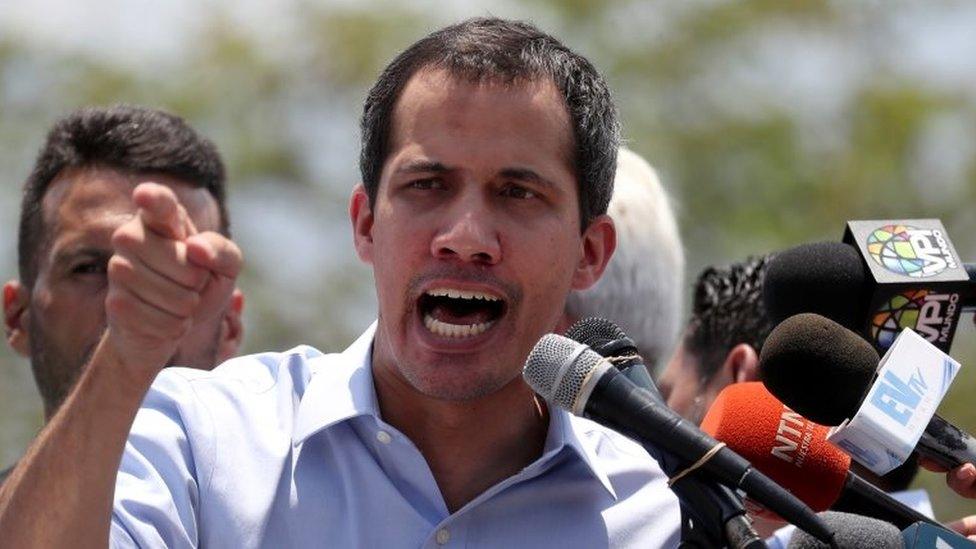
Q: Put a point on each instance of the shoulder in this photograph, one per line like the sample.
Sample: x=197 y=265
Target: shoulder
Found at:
x=248 y=374
x=241 y=393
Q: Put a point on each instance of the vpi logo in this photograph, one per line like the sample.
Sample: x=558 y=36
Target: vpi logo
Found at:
x=898 y=398
x=929 y=313
x=910 y=251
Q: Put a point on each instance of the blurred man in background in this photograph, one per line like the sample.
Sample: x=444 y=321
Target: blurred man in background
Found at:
x=721 y=343
x=642 y=287
x=76 y=196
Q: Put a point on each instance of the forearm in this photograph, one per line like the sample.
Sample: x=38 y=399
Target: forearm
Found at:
x=60 y=494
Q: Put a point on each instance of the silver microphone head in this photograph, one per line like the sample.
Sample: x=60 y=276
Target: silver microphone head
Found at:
x=563 y=371
x=594 y=330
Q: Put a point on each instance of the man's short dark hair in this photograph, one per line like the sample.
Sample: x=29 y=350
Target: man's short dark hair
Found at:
x=727 y=310
x=131 y=139
x=497 y=50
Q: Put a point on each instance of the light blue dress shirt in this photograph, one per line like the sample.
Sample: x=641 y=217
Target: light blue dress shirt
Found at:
x=289 y=450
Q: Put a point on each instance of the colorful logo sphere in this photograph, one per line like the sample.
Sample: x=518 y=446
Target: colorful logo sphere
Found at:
x=900 y=312
x=891 y=246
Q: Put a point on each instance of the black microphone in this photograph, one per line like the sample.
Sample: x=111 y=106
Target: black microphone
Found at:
x=865 y=285
x=607 y=339
x=823 y=371
x=852 y=532
x=717 y=511
x=572 y=376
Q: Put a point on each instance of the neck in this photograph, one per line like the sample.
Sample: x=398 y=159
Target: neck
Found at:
x=469 y=445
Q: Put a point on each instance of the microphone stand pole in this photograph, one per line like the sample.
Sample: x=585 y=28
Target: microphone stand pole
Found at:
x=711 y=513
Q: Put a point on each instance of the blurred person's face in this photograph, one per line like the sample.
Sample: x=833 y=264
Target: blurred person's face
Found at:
x=683 y=387
x=474 y=238
x=690 y=392
x=58 y=322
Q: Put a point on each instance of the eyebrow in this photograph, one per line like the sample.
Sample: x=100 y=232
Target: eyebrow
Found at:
x=423 y=166
x=65 y=256
x=432 y=166
x=527 y=175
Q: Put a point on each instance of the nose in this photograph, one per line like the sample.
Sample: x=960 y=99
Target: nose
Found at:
x=470 y=234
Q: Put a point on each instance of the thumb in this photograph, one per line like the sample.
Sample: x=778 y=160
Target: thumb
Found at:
x=215 y=252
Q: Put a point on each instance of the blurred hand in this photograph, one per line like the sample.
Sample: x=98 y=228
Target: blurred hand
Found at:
x=961 y=479
x=965 y=526
x=164 y=279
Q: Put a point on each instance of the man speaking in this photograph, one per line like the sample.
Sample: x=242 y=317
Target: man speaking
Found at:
x=487 y=161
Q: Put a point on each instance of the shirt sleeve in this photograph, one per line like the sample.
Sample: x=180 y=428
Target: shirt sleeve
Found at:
x=157 y=490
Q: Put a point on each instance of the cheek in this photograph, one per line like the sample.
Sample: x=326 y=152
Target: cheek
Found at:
x=553 y=264
x=80 y=311
x=683 y=391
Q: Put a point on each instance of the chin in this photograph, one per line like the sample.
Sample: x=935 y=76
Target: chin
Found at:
x=454 y=386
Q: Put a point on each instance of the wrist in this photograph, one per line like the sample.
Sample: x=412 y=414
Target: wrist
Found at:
x=133 y=372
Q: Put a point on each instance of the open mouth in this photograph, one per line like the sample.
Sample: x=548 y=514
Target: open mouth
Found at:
x=455 y=313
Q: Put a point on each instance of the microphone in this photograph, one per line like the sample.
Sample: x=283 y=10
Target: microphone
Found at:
x=824 y=371
x=574 y=377
x=607 y=339
x=795 y=453
x=856 y=286
x=852 y=532
x=717 y=511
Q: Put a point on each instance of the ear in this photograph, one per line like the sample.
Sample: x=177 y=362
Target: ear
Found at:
x=598 y=243
x=16 y=298
x=742 y=364
x=361 y=215
x=231 y=328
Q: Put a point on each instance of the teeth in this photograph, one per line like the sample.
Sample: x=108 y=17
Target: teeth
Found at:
x=461 y=294
x=445 y=329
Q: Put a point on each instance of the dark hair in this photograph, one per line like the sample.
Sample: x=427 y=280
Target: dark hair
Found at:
x=727 y=310
x=131 y=139
x=504 y=51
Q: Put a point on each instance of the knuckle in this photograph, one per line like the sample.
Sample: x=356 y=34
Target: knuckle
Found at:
x=125 y=237
x=235 y=254
x=187 y=302
x=120 y=268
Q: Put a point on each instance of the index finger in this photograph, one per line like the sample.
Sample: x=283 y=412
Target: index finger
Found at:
x=931 y=465
x=962 y=480
x=161 y=211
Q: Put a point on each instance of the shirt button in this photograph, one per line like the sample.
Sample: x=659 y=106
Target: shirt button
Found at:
x=443 y=536
x=383 y=437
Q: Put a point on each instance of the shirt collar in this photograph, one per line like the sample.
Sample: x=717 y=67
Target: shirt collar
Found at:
x=564 y=432
x=341 y=388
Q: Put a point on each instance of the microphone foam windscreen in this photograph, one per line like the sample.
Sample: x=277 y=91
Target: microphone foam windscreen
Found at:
x=787 y=447
x=851 y=532
x=817 y=367
x=827 y=278
x=594 y=331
